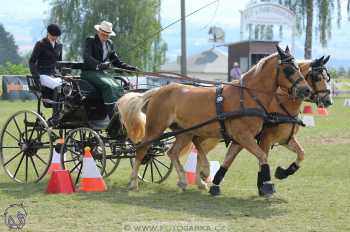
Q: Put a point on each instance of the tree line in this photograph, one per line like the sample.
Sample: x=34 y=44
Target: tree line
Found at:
x=137 y=24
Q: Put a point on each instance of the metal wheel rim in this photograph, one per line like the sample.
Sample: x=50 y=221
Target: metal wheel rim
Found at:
x=78 y=165
x=29 y=160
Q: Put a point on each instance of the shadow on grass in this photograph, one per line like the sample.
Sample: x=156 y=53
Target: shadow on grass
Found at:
x=192 y=202
x=22 y=191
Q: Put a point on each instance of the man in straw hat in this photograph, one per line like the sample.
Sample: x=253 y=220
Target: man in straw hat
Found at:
x=99 y=55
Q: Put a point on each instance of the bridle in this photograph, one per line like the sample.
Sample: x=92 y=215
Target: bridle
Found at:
x=290 y=70
x=317 y=74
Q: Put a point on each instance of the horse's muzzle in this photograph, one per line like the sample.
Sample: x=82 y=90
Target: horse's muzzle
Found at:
x=303 y=92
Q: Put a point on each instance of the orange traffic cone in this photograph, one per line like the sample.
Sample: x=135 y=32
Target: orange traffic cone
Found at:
x=91 y=180
x=60 y=182
x=56 y=159
x=190 y=166
x=307 y=109
x=322 y=111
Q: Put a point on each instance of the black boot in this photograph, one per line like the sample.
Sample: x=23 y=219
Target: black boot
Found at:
x=56 y=107
x=282 y=173
x=110 y=110
x=215 y=188
x=259 y=183
x=267 y=188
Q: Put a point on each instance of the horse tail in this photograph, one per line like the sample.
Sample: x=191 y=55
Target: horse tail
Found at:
x=131 y=108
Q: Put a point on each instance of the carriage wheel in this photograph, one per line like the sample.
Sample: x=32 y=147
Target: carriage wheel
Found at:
x=73 y=149
x=156 y=165
x=26 y=146
x=112 y=163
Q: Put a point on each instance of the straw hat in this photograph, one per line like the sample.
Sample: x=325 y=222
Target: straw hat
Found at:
x=105 y=27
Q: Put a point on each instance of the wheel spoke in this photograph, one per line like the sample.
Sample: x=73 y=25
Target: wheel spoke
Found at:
x=74 y=152
x=75 y=167
x=14 y=157
x=9 y=147
x=31 y=134
x=159 y=173
x=19 y=130
x=78 y=176
x=19 y=165
x=72 y=160
x=144 y=171
x=151 y=170
x=35 y=169
x=162 y=163
x=25 y=126
x=26 y=172
x=36 y=155
x=11 y=135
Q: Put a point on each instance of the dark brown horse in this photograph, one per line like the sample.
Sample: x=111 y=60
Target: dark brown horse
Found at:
x=180 y=106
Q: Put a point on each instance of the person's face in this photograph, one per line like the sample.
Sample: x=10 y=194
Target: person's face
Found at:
x=52 y=38
x=104 y=36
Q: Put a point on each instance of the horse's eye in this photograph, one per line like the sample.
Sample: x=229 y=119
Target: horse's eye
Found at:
x=289 y=71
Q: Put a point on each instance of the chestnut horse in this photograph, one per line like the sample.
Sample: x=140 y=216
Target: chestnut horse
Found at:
x=180 y=106
x=282 y=132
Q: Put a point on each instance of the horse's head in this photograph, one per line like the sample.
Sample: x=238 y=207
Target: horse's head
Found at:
x=289 y=76
x=319 y=78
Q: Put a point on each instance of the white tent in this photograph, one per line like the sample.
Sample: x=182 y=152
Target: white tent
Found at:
x=207 y=65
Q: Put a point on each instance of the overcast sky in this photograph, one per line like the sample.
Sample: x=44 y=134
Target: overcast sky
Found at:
x=17 y=15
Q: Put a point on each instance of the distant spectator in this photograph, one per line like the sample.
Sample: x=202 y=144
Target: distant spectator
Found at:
x=235 y=73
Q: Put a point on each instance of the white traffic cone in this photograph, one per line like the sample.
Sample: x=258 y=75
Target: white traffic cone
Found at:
x=56 y=158
x=190 y=167
x=91 y=179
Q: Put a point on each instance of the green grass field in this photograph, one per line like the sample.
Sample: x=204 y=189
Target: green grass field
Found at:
x=316 y=198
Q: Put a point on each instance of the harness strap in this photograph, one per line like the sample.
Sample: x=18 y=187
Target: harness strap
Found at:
x=253 y=112
x=219 y=112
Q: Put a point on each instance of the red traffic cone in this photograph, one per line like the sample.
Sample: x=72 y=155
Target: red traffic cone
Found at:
x=56 y=159
x=91 y=180
x=190 y=167
x=307 y=109
x=60 y=182
x=322 y=111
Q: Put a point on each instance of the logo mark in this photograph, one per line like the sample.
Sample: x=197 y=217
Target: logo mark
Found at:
x=15 y=216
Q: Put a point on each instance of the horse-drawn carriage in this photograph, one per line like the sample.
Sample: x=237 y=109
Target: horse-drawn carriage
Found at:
x=27 y=142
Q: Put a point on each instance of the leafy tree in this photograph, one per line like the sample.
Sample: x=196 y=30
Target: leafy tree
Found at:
x=309 y=10
x=135 y=23
x=13 y=69
x=8 y=48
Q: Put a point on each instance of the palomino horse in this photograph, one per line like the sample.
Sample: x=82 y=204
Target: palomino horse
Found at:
x=283 y=132
x=180 y=106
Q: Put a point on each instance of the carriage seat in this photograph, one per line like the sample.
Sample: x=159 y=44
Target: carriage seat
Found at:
x=66 y=67
x=41 y=92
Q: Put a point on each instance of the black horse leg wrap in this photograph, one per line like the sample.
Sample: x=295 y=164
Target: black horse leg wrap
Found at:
x=259 y=181
x=292 y=169
x=265 y=173
x=219 y=175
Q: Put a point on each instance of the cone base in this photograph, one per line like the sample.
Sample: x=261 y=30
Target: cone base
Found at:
x=60 y=182
x=191 y=178
x=92 y=185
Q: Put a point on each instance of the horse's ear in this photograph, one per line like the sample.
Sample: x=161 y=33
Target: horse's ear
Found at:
x=318 y=62
x=287 y=51
x=280 y=52
x=326 y=60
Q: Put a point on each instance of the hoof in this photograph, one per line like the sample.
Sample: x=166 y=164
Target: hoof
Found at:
x=182 y=185
x=281 y=173
x=203 y=186
x=203 y=176
x=133 y=187
x=267 y=190
x=215 y=190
